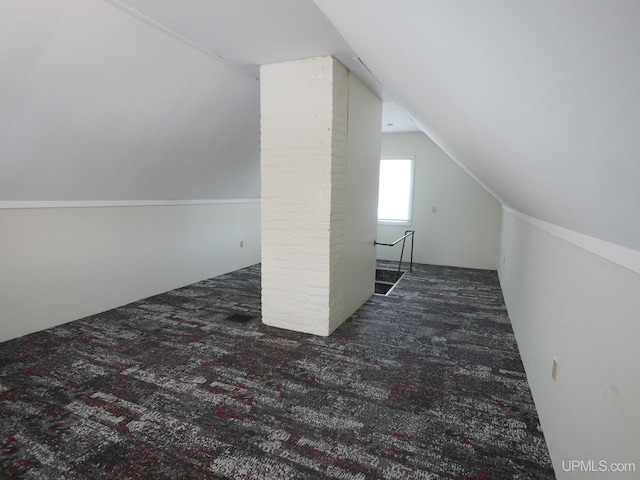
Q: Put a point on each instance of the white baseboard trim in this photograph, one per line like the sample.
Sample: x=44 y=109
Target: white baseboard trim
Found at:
x=118 y=203
x=623 y=256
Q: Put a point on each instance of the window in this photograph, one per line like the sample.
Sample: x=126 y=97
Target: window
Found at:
x=395 y=194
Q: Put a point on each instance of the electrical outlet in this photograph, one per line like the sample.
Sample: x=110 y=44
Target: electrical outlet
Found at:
x=241 y=243
x=554 y=370
x=434 y=209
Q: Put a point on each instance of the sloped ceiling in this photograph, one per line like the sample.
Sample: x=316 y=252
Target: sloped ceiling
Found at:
x=96 y=105
x=539 y=100
x=145 y=99
x=159 y=99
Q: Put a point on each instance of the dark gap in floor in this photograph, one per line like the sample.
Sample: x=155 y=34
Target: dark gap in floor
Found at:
x=240 y=317
x=386 y=280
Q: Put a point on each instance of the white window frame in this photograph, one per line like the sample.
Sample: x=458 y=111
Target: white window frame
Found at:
x=401 y=222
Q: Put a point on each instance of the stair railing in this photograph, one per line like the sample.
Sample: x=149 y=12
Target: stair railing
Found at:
x=407 y=233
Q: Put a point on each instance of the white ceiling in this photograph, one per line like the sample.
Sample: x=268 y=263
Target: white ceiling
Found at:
x=96 y=105
x=144 y=99
x=540 y=101
x=148 y=99
x=245 y=34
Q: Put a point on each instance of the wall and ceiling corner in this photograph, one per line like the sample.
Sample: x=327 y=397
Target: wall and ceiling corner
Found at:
x=310 y=192
x=582 y=308
x=457 y=222
x=126 y=168
x=96 y=106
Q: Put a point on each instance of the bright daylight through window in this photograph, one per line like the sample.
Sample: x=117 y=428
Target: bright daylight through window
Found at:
x=395 y=194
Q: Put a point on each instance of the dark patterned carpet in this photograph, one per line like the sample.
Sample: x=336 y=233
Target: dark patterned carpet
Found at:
x=423 y=384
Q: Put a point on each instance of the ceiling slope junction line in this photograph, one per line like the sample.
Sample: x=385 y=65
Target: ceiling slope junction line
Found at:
x=181 y=38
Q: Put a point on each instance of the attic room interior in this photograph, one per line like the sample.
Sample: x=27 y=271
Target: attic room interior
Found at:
x=158 y=254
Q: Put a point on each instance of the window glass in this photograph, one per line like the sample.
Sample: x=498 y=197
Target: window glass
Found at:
x=395 y=193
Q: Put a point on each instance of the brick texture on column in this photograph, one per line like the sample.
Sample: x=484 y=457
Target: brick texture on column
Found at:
x=304 y=106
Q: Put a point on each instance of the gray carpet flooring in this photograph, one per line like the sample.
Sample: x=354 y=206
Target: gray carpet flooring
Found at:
x=425 y=383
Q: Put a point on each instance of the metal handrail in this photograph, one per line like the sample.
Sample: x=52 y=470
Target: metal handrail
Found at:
x=402 y=239
x=375 y=242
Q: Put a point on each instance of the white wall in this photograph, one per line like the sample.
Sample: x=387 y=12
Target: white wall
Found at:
x=61 y=264
x=568 y=303
x=363 y=165
x=100 y=105
x=464 y=231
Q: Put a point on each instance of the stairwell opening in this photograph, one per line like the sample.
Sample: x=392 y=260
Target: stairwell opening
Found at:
x=386 y=280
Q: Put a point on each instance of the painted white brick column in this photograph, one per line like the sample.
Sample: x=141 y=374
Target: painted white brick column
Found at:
x=304 y=110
